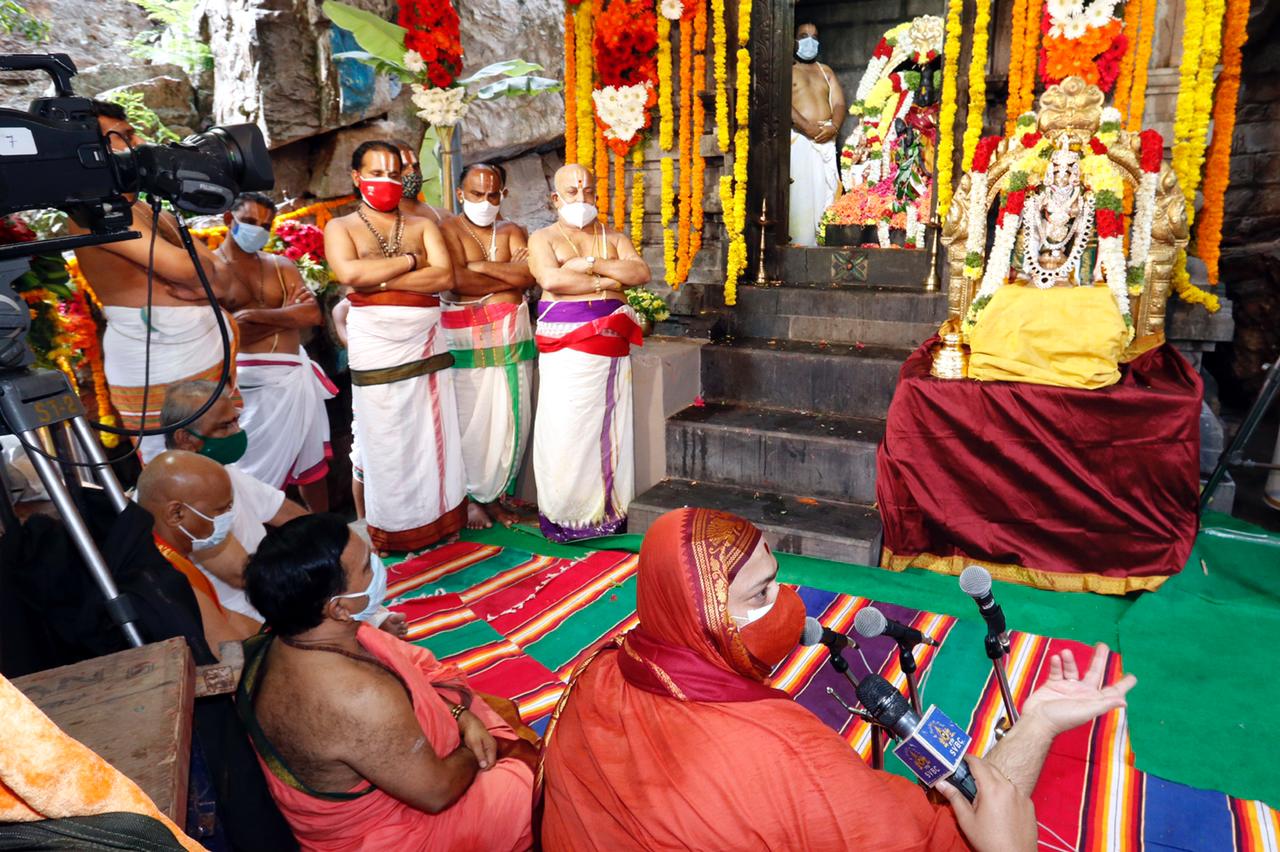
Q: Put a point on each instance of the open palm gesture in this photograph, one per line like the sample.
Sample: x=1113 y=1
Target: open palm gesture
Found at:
x=1067 y=700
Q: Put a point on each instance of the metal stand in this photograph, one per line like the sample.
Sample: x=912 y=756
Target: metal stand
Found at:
x=997 y=645
x=35 y=404
x=877 y=739
x=932 y=284
x=762 y=275
x=1234 y=454
x=907 y=659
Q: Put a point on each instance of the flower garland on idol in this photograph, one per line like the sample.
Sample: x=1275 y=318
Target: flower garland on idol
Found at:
x=1151 y=154
x=947 y=111
x=1218 y=168
x=1101 y=176
x=1082 y=41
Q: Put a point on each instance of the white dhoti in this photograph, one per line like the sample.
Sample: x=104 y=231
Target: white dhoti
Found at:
x=185 y=346
x=813 y=186
x=493 y=351
x=582 y=442
x=285 y=418
x=403 y=398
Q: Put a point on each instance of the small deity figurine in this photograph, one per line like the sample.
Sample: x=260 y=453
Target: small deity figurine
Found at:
x=1058 y=224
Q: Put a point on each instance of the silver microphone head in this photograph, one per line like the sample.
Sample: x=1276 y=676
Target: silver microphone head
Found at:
x=870 y=622
x=812 y=634
x=975 y=581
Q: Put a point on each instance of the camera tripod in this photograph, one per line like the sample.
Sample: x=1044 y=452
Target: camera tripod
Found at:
x=36 y=404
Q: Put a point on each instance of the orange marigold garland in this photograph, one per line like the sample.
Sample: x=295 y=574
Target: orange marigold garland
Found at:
x=699 y=127
x=1128 y=63
x=602 y=175
x=619 y=191
x=1017 y=47
x=1218 y=168
x=583 y=32
x=686 y=150
x=1141 y=65
x=570 y=87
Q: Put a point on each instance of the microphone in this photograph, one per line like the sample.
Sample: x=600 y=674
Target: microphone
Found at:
x=871 y=622
x=815 y=634
x=932 y=746
x=975 y=581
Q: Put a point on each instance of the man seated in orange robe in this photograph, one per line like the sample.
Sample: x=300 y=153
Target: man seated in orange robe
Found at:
x=366 y=741
x=672 y=739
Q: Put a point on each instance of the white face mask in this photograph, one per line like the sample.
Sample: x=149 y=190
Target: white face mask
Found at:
x=807 y=49
x=376 y=591
x=579 y=214
x=221 y=528
x=753 y=614
x=481 y=213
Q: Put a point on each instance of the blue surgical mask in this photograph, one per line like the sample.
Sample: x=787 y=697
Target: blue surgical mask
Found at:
x=376 y=592
x=221 y=527
x=807 y=49
x=250 y=238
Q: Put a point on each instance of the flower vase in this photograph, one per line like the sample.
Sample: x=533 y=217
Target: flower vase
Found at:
x=646 y=326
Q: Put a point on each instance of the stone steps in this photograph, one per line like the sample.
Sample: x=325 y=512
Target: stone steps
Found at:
x=803 y=376
x=854 y=267
x=826 y=529
x=877 y=317
x=811 y=455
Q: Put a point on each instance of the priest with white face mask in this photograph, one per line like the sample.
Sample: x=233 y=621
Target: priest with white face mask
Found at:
x=582 y=441
x=486 y=324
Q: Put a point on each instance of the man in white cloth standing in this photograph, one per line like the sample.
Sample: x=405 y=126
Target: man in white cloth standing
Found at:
x=582 y=440
x=410 y=448
x=487 y=326
x=817 y=111
x=283 y=391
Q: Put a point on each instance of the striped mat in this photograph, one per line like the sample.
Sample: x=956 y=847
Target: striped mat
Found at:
x=518 y=624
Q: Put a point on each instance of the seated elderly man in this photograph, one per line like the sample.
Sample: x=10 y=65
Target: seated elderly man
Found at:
x=217 y=435
x=368 y=742
x=190 y=499
x=674 y=740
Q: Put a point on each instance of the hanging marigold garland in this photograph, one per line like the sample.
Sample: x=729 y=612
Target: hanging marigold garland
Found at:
x=637 y=196
x=602 y=175
x=720 y=69
x=947 y=112
x=570 y=86
x=666 y=110
x=583 y=33
x=696 y=216
x=736 y=213
x=1144 y=42
x=1128 y=63
x=977 y=79
x=1017 y=43
x=619 y=190
x=668 y=211
x=1218 y=168
x=686 y=148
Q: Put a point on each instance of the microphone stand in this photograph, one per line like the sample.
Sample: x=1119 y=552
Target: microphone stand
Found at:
x=997 y=646
x=907 y=660
x=840 y=664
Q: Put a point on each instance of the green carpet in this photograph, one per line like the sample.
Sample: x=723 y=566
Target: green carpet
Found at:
x=1203 y=711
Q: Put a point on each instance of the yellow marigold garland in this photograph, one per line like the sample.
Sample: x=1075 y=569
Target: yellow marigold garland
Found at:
x=666 y=134
x=1210 y=49
x=1017 y=48
x=668 y=213
x=584 y=31
x=1141 y=66
x=735 y=213
x=720 y=68
x=602 y=174
x=977 y=80
x=947 y=112
x=1218 y=170
x=637 y=196
x=570 y=87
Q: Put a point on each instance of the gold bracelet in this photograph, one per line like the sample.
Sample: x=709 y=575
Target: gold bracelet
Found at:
x=456 y=711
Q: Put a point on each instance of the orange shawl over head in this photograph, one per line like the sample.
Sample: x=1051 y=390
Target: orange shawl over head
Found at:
x=674 y=741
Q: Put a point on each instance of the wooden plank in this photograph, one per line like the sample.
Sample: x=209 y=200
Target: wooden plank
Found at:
x=133 y=709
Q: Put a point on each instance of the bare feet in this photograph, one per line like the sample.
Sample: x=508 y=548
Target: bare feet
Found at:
x=502 y=514
x=477 y=517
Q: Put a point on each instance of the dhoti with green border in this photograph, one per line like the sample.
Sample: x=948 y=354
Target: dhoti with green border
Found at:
x=493 y=351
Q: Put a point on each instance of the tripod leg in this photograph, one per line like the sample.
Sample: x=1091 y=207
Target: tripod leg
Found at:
x=106 y=476
x=118 y=606
x=1235 y=451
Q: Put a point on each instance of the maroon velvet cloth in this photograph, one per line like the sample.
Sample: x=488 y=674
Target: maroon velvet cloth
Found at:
x=1101 y=482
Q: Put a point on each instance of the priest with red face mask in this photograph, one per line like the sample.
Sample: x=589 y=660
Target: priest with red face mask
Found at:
x=395 y=265
x=672 y=737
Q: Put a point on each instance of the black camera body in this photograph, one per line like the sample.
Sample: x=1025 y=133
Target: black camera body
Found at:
x=54 y=155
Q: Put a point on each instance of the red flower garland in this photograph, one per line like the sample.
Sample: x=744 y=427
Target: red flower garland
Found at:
x=1110 y=223
x=982 y=153
x=1152 y=151
x=625 y=42
x=433 y=30
x=1096 y=146
x=1031 y=140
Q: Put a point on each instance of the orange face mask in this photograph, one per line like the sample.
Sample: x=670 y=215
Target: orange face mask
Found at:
x=776 y=633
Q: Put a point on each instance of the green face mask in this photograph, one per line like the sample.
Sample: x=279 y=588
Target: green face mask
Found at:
x=226 y=450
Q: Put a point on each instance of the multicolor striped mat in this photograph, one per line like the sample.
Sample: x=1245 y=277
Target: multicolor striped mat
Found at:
x=518 y=624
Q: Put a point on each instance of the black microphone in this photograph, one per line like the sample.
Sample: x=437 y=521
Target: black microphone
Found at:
x=871 y=622
x=975 y=581
x=891 y=710
x=815 y=634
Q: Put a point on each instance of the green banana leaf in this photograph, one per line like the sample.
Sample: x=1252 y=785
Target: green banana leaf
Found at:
x=506 y=68
x=429 y=159
x=518 y=87
x=378 y=65
x=383 y=39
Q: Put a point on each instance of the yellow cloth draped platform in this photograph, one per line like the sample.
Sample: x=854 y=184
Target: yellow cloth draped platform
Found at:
x=1070 y=337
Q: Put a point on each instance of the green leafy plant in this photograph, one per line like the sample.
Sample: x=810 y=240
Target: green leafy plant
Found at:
x=649 y=305
x=142 y=117
x=16 y=20
x=175 y=38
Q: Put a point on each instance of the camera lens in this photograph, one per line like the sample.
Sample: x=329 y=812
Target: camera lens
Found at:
x=244 y=151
